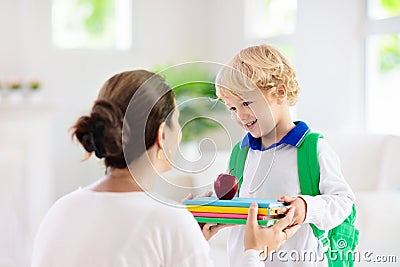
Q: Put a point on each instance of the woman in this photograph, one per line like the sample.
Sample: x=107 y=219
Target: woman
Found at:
x=133 y=127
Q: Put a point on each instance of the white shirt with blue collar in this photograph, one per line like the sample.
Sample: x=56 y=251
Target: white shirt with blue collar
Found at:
x=271 y=173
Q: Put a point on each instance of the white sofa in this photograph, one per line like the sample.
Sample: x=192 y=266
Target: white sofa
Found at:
x=371 y=165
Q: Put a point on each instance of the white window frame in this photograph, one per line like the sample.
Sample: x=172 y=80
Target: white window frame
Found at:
x=375 y=27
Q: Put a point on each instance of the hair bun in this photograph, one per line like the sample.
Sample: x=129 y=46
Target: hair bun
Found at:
x=94 y=140
x=101 y=131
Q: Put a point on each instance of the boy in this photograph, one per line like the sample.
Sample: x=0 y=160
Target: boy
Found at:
x=258 y=85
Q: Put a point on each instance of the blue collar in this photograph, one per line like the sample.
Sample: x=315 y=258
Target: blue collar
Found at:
x=293 y=137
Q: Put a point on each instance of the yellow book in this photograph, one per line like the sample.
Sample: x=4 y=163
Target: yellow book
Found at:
x=232 y=210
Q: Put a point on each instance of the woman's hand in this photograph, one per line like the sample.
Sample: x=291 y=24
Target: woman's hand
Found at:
x=268 y=238
x=208 y=229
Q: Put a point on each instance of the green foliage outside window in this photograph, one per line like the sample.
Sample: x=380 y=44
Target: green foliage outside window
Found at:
x=194 y=89
x=391 y=6
x=389 y=46
x=100 y=12
x=389 y=52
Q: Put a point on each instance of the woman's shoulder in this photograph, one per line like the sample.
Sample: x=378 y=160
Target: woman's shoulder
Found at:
x=61 y=207
x=73 y=196
x=171 y=211
x=148 y=205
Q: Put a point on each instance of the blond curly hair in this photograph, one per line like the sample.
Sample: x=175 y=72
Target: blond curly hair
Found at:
x=261 y=67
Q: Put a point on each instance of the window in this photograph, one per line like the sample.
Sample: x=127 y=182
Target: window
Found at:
x=382 y=9
x=270 y=18
x=93 y=24
x=383 y=66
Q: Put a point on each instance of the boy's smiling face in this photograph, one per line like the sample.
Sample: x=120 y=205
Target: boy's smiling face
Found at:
x=256 y=111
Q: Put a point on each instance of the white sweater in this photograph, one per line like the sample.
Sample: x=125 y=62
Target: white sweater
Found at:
x=86 y=228
x=273 y=173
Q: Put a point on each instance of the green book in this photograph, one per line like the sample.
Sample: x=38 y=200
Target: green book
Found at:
x=233 y=221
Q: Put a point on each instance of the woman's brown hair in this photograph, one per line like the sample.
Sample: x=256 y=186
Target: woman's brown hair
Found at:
x=125 y=118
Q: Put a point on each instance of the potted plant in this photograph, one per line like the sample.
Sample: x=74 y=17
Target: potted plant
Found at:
x=15 y=85
x=35 y=94
x=34 y=85
x=15 y=91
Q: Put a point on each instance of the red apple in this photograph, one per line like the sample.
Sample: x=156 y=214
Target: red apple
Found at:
x=226 y=186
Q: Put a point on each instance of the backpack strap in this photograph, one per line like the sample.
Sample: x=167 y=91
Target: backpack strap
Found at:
x=307 y=164
x=237 y=161
x=309 y=175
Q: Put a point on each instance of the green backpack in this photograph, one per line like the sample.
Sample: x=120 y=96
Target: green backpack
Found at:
x=339 y=242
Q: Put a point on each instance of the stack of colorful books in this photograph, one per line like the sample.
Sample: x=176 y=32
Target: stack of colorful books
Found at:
x=214 y=210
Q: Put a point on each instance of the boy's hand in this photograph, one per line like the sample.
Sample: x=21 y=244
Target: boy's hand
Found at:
x=300 y=211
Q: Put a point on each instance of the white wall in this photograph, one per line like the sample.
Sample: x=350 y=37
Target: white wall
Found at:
x=329 y=51
x=11 y=36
